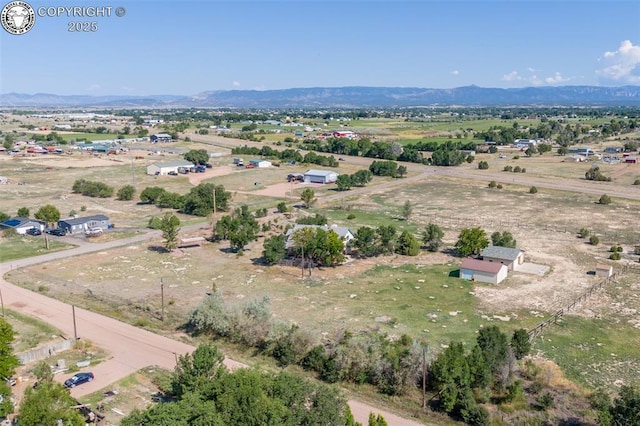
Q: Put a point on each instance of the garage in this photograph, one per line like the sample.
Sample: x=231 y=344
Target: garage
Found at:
x=320 y=176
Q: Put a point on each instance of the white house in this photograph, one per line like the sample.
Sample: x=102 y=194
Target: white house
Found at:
x=260 y=163
x=22 y=224
x=320 y=176
x=485 y=272
x=160 y=169
x=512 y=258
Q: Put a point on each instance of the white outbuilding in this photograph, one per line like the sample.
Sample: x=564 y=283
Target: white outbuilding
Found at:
x=160 y=169
x=482 y=271
x=320 y=176
x=260 y=163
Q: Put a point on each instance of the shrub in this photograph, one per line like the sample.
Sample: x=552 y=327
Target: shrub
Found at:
x=583 y=233
x=126 y=193
x=508 y=168
x=499 y=186
x=614 y=256
x=516 y=157
x=83 y=208
x=636 y=250
x=604 y=199
x=533 y=190
x=636 y=182
x=92 y=189
x=351 y=216
x=493 y=184
x=483 y=165
x=517 y=169
x=545 y=401
x=594 y=240
x=523 y=170
x=615 y=249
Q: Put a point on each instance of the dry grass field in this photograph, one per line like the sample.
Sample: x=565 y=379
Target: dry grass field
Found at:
x=419 y=295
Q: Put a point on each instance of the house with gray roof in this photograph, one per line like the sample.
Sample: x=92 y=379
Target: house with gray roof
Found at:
x=511 y=257
x=22 y=224
x=82 y=224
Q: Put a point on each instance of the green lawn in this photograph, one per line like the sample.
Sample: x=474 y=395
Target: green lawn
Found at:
x=21 y=246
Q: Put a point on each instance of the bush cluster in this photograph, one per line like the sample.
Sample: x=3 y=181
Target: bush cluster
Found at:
x=92 y=189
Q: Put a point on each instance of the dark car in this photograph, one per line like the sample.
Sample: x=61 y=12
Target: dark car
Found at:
x=173 y=173
x=58 y=232
x=78 y=379
x=33 y=231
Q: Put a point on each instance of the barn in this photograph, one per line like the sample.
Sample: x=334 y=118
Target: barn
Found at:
x=260 y=163
x=160 y=137
x=160 y=169
x=511 y=257
x=320 y=176
x=485 y=272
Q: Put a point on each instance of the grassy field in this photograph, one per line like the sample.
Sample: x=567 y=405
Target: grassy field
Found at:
x=21 y=246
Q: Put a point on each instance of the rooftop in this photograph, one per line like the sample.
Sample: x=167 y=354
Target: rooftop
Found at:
x=482 y=266
x=497 y=252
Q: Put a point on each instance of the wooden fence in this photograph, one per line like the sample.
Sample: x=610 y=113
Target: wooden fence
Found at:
x=538 y=329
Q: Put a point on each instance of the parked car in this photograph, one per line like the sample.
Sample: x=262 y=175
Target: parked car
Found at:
x=173 y=173
x=11 y=381
x=208 y=165
x=34 y=231
x=341 y=159
x=250 y=166
x=78 y=379
x=58 y=232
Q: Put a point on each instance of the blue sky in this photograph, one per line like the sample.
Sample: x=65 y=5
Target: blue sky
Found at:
x=187 y=47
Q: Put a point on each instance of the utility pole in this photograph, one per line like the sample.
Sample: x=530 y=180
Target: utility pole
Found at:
x=162 y=298
x=2 y=302
x=75 y=330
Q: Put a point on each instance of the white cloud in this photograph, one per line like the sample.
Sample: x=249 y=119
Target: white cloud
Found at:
x=533 y=78
x=512 y=76
x=623 y=65
x=94 y=88
x=555 y=79
x=455 y=72
x=236 y=84
x=531 y=69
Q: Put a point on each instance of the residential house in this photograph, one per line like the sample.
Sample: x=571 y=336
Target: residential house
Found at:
x=482 y=271
x=83 y=224
x=22 y=224
x=512 y=258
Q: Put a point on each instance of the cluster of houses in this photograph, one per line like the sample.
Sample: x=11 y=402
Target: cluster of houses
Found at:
x=76 y=225
x=493 y=266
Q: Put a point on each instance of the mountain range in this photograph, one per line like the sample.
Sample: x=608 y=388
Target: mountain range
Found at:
x=345 y=97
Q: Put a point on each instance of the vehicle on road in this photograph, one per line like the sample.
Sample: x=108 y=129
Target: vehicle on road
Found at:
x=58 y=232
x=78 y=379
x=341 y=159
x=34 y=231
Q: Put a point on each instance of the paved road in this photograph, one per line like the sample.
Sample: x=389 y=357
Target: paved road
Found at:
x=130 y=348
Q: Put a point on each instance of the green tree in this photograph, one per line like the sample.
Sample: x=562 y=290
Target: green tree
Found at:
x=407 y=209
x=195 y=371
x=126 y=193
x=432 y=237
x=9 y=141
x=625 y=410
x=451 y=375
x=471 y=241
x=43 y=372
x=408 y=244
x=151 y=194
x=200 y=200
x=495 y=347
x=376 y=420
x=197 y=156
x=8 y=365
x=361 y=177
x=386 y=238
x=402 y=171
x=302 y=238
x=48 y=403
x=308 y=197
x=533 y=190
x=503 y=239
x=274 y=249
x=344 y=183
x=282 y=207
x=478 y=368
x=170 y=226
x=520 y=343
x=48 y=214
x=563 y=150
x=483 y=165
x=365 y=241
x=23 y=212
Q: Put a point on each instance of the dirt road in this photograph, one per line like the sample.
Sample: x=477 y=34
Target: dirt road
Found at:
x=130 y=348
